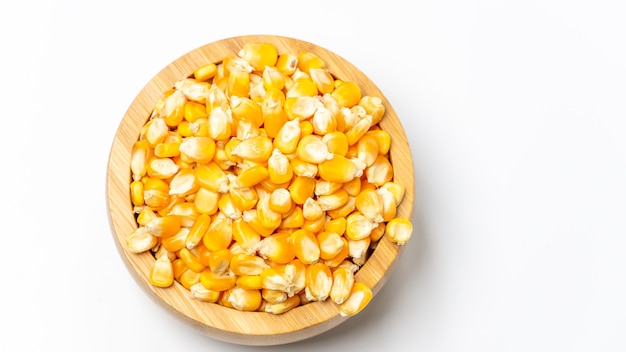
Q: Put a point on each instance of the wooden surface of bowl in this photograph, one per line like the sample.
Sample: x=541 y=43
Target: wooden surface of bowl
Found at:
x=216 y=321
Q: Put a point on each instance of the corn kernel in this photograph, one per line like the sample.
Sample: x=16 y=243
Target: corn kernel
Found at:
x=360 y=296
x=141 y=240
x=162 y=273
x=319 y=281
x=214 y=282
x=343 y=280
x=399 y=230
x=205 y=72
x=259 y=55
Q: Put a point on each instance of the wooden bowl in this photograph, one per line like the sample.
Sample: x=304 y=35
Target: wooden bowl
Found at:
x=216 y=321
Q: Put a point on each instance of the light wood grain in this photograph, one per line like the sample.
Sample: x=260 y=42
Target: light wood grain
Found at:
x=226 y=324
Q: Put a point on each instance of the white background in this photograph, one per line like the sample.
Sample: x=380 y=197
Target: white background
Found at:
x=516 y=113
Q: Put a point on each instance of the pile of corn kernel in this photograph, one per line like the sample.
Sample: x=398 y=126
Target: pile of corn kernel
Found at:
x=263 y=183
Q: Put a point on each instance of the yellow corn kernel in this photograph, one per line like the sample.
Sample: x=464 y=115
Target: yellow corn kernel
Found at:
x=319 y=281
x=337 y=142
x=238 y=83
x=314 y=225
x=296 y=272
x=136 y=193
x=249 y=282
x=334 y=200
x=288 y=136
x=301 y=188
x=162 y=273
x=257 y=149
x=247 y=264
x=331 y=104
x=189 y=278
x=199 y=128
x=383 y=139
x=139 y=157
x=246 y=110
x=245 y=235
x=206 y=72
x=259 y=55
x=399 y=230
x=171 y=107
x=179 y=268
x=154 y=131
x=201 y=293
x=370 y=204
x=353 y=187
x=192 y=90
x=339 y=258
x=192 y=261
x=359 y=249
x=220 y=124
x=359 y=226
x=244 y=299
x=302 y=168
x=268 y=219
x=282 y=307
x=311 y=209
x=162 y=168
x=380 y=172
x=311 y=149
x=194 y=111
x=287 y=63
x=183 y=183
x=389 y=204
x=251 y=218
x=339 y=169
x=347 y=94
x=167 y=150
x=367 y=149
x=280 y=201
x=323 y=80
x=344 y=210
x=343 y=280
x=243 y=198
x=145 y=216
x=219 y=260
x=177 y=242
x=174 y=200
x=215 y=282
x=206 y=201
x=307 y=60
x=216 y=97
x=203 y=254
x=212 y=177
x=141 y=240
x=330 y=244
x=303 y=87
x=396 y=189
x=184 y=129
x=358 y=130
x=273 y=78
x=198 y=149
x=323 y=122
x=293 y=220
x=252 y=176
x=219 y=234
x=276 y=248
x=273 y=296
x=165 y=226
x=228 y=208
x=374 y=107
x=360 y=296
x=301 y=107
x=273 y=112
x=279 y=167
x=378 y=232
x=337 y=226
x=273 y=279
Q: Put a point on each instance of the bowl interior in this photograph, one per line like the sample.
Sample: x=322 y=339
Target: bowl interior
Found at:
x=227 y=324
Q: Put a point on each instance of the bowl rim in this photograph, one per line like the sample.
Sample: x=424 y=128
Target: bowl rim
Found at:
x=214 y=320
